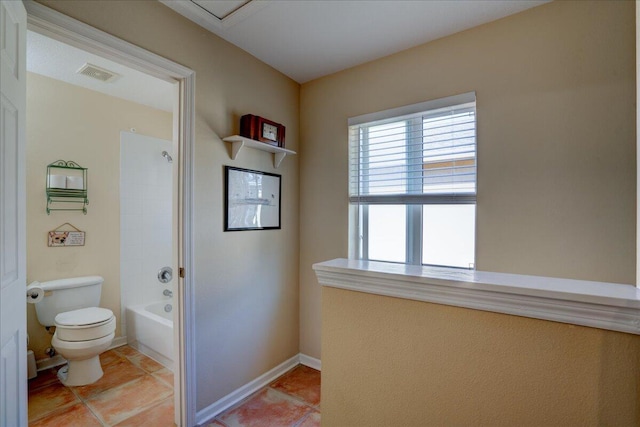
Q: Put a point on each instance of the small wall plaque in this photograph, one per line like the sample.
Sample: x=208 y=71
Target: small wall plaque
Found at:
x=59 y=238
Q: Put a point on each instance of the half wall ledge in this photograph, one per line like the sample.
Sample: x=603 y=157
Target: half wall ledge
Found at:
x=610 y=306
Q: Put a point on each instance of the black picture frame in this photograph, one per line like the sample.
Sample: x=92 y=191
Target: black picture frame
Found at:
x=252 y=200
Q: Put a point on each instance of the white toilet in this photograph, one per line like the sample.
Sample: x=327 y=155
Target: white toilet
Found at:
x=83 y=330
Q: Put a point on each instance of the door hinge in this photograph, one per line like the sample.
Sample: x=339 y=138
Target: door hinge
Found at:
x=181 y=272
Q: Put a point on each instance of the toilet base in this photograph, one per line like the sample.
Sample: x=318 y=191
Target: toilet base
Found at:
x=81 y=372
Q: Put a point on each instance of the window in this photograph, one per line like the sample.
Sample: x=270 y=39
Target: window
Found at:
x=412 y=183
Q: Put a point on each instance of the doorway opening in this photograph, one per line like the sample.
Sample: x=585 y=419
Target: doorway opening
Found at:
x=46 y=22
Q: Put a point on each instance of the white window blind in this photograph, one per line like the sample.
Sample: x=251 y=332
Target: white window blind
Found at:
x=412 y=183
x=419 y=154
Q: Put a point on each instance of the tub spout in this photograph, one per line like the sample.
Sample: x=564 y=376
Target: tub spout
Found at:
x=167 y=293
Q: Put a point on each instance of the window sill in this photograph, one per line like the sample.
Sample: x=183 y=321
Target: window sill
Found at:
x=602 y=305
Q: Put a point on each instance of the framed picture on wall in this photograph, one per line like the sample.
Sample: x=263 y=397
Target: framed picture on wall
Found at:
x=252 y=200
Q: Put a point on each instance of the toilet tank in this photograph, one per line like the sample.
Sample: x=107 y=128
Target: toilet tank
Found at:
x=66 y=295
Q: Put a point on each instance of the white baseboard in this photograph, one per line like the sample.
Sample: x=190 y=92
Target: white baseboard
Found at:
x=219 y=406
x=50 y=362
x=158 y=357
x=311 y=362
x=118 y=342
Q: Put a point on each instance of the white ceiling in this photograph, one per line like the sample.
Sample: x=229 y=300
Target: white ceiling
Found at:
x=307 y=39
x=60 y=61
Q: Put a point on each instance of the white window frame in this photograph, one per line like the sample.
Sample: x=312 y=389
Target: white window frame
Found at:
x=359 y=209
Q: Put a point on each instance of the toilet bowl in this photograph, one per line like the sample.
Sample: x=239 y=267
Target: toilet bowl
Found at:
x=81 y=335
x=83 y=330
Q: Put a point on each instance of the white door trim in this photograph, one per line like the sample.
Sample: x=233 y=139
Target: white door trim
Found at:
x=68 y=30
x=13 y=253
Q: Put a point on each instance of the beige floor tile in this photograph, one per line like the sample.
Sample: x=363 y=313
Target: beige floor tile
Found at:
x=77 y=415
x=165 y=375
x=160 y=415
x=145 y=363
x=313 y=420
x=268 y=408
x=44 y=378
x=115 y=374
x=302 y=382
x=120 y=403
x=47 y=399
x=126 y=350
x=109 y=357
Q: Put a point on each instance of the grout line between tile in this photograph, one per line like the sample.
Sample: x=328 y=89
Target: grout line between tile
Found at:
x=96 y=416
x=140 y=409
x=297 y=399
x=46 y=414
x=159 y=378
x=84 y=403
x=153 y=405
x=301 y=420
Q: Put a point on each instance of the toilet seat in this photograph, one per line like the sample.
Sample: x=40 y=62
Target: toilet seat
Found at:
x=85 y=324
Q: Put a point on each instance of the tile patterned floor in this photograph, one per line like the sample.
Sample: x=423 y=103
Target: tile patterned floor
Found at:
x=137 y=391
x=293 y=400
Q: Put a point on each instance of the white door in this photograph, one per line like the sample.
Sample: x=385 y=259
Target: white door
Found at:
x=13 y=320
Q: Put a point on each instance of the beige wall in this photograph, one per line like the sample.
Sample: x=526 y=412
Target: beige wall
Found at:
x=556 y=196
x=555 y=92
x=394 y=362
x=246 y=283
x=66 y=122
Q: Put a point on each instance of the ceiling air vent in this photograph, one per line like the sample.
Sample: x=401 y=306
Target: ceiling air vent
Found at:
x=97 y=73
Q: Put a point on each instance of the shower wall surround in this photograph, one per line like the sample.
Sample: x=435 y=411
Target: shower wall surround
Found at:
x=146 y=194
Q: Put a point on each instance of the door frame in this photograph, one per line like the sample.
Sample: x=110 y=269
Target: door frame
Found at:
x=63 y=28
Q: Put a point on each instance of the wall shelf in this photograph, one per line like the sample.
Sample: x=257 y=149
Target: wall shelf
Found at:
x=237 y=142
x=58 y=195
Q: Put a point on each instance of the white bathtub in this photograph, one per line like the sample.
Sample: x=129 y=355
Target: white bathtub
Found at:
x=150 y=330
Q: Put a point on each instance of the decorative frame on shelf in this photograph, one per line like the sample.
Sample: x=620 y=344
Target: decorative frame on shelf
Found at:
x=251 y=200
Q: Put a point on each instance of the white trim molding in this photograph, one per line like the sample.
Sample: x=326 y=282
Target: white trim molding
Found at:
x=118 y=342
x=602 y=305
x=219 y=406
x=208 y=20
x=50 y=362
x=78 y=34
x=311 y=362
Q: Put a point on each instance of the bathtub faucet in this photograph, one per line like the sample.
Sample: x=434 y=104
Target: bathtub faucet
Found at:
x=167 y=293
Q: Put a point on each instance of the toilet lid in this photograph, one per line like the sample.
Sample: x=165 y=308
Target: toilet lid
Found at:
x=84 y=316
